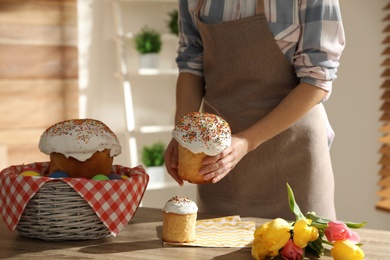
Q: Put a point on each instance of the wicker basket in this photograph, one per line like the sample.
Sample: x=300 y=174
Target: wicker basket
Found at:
x=54 y=209
x=57 y=212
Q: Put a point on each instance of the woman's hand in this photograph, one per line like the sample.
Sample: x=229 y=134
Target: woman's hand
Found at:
x=217 y=167
x=171 y=162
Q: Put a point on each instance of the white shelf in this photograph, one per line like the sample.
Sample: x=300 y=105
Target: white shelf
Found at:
x=155 y=129
x=154 y=72
x=137 y=83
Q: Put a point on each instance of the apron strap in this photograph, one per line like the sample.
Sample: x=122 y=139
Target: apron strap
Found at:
x=200 y=4
x=259 y=7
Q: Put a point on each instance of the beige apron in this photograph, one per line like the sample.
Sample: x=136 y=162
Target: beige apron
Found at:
x=246 y=76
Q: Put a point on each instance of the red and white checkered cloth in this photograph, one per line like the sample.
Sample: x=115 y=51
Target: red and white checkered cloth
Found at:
x=115 y=202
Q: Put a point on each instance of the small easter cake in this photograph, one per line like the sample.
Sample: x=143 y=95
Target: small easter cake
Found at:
x=199 y=135
x=179 y=220
x=80 y=148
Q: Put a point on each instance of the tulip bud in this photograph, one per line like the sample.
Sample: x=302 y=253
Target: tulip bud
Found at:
x=303 y=233
x=346 y=250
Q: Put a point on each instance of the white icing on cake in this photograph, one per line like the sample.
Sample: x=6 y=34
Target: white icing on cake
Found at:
x=79 y=138
x=180 y=205
x=203 y=132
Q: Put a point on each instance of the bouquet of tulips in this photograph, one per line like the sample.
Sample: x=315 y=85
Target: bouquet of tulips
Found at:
x=307 y=233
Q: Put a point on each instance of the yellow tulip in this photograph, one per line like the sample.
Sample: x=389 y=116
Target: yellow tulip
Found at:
x=260 y=248
x=346 y=250
x=270 y=238
x=304 y=233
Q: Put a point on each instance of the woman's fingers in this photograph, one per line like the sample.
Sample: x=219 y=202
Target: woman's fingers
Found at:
x=170 y=158
x=217 y=167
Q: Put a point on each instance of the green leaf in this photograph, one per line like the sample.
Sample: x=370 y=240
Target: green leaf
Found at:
x=321 y=222
x=316 y=247
x=317 y=221
x=293 y=205
x=355 y=225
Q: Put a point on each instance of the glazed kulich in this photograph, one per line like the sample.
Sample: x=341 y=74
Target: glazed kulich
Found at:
x=199 y=135
x=179 y=220
x=80 y=147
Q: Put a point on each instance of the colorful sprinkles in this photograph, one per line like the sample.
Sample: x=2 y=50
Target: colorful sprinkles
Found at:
x=180 y=205
x=209 y=129
x=178 y=199
x=85 y=129
x=79 y=138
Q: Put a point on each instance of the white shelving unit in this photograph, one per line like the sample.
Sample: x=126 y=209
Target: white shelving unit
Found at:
x=148 y=93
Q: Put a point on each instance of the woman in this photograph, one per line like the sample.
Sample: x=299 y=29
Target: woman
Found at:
x=265 y=66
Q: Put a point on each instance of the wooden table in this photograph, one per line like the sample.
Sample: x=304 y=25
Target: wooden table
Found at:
x=141 y=239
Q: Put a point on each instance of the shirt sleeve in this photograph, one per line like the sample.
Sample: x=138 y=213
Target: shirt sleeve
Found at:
x=314 y=53
x=190 y=50
x=321 y=43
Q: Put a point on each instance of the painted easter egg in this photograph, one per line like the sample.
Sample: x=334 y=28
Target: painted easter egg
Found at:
x=114 y=176
x=30 y=172
x=59 y=174
x=100 y=177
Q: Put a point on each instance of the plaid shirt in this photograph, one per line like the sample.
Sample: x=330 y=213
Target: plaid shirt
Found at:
x=309 y=33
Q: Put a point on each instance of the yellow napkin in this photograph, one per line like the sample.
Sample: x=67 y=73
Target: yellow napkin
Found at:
x=222 y=232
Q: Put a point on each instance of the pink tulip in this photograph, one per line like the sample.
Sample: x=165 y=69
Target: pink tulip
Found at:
x=291 y=252
x=337 y=230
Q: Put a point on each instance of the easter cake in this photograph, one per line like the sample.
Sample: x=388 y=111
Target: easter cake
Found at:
x=80 y=148
x=179 y=220
x=62 y=199
x=199 y=135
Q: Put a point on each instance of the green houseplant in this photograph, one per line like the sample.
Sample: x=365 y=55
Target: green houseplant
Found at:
x=148 y=44
x=148 y=40
x=153 y=155
x=172 y=22
x=153 y=159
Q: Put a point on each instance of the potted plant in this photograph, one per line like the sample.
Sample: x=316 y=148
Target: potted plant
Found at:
x=148 y=44
x=153 y=159
x=172 y=22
